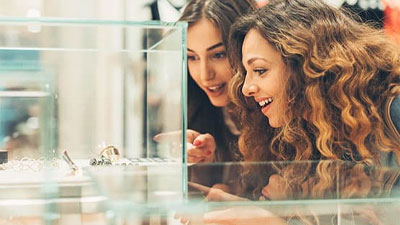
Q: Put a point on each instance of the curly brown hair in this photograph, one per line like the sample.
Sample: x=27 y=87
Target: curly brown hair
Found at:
x=342 y=72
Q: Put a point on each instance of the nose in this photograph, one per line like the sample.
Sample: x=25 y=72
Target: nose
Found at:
x=207 y=71
x=249 y=88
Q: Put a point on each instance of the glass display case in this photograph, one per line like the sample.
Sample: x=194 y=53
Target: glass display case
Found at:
x=80 y=104
x=303 y=192
x=328 y=192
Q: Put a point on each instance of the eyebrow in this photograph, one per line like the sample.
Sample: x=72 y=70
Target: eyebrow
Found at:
x=211 y=47
x=251 y=60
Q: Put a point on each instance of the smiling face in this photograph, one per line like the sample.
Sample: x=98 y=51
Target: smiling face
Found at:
x=265 y=78
x=208 y=62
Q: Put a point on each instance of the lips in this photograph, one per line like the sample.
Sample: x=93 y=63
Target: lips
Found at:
x=215 y=90
x=266 y=194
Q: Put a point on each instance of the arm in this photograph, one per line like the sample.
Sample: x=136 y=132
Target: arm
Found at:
x=243 y=215
x=216 y=193
x=235 y=215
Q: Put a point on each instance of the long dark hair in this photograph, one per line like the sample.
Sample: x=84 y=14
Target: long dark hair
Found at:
x=202 y=115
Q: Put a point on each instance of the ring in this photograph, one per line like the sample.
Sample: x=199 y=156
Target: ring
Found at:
x=110 y=152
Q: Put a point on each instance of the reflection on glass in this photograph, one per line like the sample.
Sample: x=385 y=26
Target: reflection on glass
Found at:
x=304 y=192
x=26 y=113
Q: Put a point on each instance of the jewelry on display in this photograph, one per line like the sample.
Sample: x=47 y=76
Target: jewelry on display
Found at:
x=29 y=164
x=100 y=162
x=70 y=162
x=108 y=155
x=111 y=153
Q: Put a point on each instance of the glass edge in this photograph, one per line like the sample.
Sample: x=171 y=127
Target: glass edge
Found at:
x=184 y=110
x=306 y=202
x=71 y=21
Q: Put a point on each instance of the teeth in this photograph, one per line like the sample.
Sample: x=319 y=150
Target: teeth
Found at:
x=215 y=88
x=265 y=102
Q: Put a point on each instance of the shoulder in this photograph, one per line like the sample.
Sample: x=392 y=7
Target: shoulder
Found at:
x=391 y=112
x=394 y=111
x=392 y=121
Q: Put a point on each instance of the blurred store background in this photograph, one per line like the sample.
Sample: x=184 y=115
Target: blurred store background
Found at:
x=139 y=10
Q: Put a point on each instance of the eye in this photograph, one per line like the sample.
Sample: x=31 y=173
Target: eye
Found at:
x=260 y=71
x=219 y=55
x=192 y=58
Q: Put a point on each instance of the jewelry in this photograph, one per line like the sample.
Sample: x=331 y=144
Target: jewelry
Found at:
x=110 y=153
x=70 y=163
x=30 y=164
x=99 y=162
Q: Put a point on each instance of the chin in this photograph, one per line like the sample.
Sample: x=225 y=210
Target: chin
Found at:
x=219 y=102
x=274 y=124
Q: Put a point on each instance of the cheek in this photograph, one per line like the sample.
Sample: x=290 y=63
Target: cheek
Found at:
x=193 y=71
x=279 y=115
x=224 y=70
x=281 y=107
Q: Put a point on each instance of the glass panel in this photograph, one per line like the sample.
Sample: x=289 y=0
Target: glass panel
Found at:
x=80 y=104
x=305 y=192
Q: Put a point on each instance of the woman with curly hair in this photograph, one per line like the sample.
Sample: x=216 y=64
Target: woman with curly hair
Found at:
x=312 y=83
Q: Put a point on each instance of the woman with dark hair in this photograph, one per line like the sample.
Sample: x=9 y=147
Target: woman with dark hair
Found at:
x=209 y=107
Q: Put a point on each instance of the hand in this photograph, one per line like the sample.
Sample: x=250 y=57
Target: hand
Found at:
x=200 y=147
x=218 y=192
x=218 y=195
